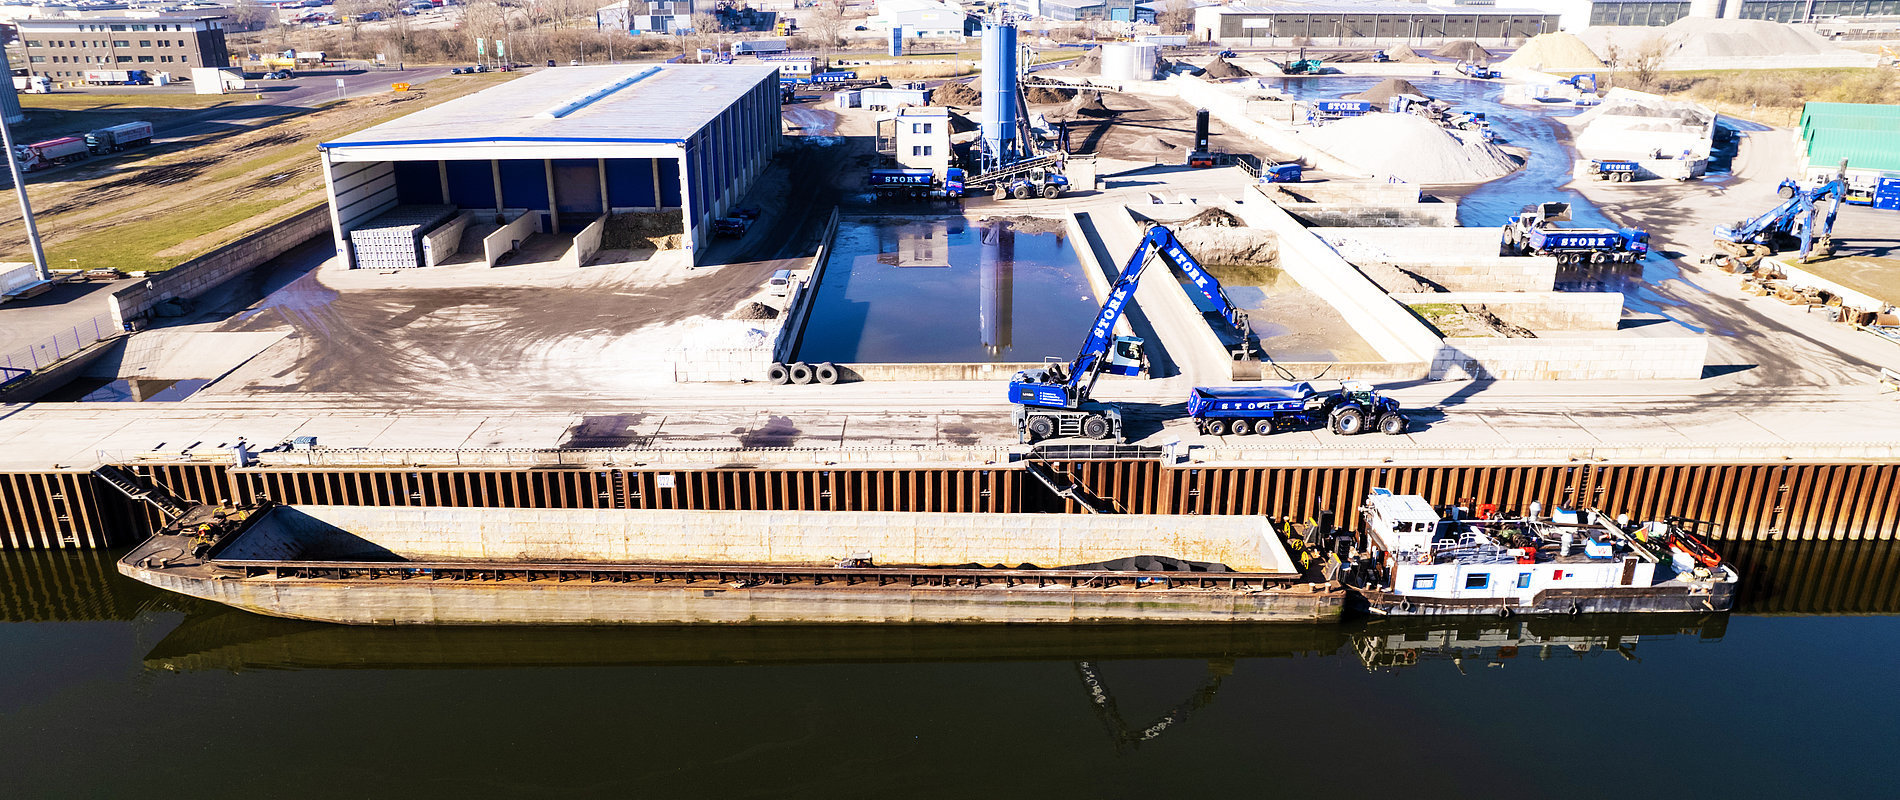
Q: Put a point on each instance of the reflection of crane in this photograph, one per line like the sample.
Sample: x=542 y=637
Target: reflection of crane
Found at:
x=996 y=262
x=1126 y=736
x=1054 y=400
x=1795 y=217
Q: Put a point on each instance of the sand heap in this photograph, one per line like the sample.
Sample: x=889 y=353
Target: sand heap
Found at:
x=1413 y=149
x=1691 y=42
x=1404 y=53
x=1464 y=50
x=1669 y=114
x=956 y=94
x=1088 y=105
x=1554 y=52
x=1043 y=95
x=1388 y=89
x=1089 y=63
x=1222 y=68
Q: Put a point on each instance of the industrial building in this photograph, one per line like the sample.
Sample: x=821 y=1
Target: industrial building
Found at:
x=656 y=16
x=923 y=19
x=556 y=151
x=1339 y=23
x=1861 y=134
x=65 y=48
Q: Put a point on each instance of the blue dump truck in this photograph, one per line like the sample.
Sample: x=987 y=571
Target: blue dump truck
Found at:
x=1323 y=110
x=1534 y=232
x=1355 y=408
x=1611 y=169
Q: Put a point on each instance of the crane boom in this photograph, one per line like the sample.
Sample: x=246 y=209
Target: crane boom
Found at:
x=1794 y=217
x=1058 y=387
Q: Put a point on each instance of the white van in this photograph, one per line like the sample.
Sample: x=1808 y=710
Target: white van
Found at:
x=780 y=284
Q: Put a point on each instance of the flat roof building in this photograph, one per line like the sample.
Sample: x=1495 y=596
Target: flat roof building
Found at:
x=65 y=48
x=1338 y=23
x=558 y=150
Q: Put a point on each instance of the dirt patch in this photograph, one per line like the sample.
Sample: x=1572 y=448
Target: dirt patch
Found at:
x=956 y=94
x=657 y=230
x=1452 y=319
x=1464 y=50
x=1212 y=218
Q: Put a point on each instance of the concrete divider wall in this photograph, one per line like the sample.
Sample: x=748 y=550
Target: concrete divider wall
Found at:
x=585 y=245
x=1497 y=273
x=445 y=241
x=789 y=537
x=1458 y=259
x=1392 y=330
x=1166 y=298
x=1417 y=215
x=505 y=239
x=798 y=310
x=1539 y=311
x=723 y=364
x=1574 y=358
x=201 y=274
x=1092 y=268
x=1375 y=194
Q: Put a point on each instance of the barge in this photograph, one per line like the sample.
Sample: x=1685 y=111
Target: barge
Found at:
x=1409 y=560
x=364 y=565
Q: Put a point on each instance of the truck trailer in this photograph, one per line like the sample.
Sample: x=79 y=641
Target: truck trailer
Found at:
x=1355 y=408
x=41 y=155
x=114 y=138
x=118 y=77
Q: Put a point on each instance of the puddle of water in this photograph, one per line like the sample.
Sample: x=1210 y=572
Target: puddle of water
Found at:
x=1545 y=172
x=122 y=390
x=950 y=290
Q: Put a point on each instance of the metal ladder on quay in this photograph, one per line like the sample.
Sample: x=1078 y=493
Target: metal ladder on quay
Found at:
x=137 y=488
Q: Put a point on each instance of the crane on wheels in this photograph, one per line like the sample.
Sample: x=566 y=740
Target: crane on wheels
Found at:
x=1797 y=217
x=1053 y=400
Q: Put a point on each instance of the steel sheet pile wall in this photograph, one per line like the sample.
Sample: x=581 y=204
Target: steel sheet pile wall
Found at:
x=74 y=586
x=1748 y=502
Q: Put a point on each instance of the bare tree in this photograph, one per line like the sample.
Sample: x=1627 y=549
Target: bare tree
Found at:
x=250 y=14
x=1646 y=62
x=1177 y=16
x=826 y=25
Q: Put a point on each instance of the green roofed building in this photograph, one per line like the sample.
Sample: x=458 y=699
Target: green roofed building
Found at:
x=1862 y=133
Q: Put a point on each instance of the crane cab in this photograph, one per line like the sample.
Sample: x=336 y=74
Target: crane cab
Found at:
x=1126 y=358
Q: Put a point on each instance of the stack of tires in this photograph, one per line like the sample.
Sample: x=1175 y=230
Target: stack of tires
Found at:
x=801 y=373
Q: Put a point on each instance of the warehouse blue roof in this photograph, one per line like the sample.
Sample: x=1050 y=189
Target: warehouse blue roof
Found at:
x=628 y=103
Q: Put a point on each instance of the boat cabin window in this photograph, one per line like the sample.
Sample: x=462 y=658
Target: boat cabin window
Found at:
x=1478 y=580
x=1523 y=580
x=1424 y=581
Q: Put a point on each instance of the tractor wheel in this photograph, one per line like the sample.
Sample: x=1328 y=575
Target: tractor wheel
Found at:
x=1217 y=427
x=778 y=374
x=801 y=373
x=1392 y=424
x=826 y=373
x=1041 y=428
x=1051 y=191
x=1024 y=192
x=1349 y=421
x=1095 y=426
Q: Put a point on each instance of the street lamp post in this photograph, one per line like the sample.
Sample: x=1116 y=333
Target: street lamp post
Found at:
x=26 y=208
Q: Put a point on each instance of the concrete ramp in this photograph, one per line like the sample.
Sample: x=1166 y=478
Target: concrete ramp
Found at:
x=176 y=355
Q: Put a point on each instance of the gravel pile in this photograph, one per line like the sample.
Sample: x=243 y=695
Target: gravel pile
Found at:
x=1464 y=50
x=1412 y=149
x=1691 y=41
x=1041 y=95
x=1388 y=89
x=1222 y=68
x=754 y=310
x=1554 y=52
x=1673 y=114
x=1088 y=105
x=1404 y=53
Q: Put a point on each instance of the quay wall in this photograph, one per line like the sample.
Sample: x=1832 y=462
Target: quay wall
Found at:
x=1746 y=501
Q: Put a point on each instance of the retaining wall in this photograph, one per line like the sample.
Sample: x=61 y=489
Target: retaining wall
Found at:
x=720 y=365
x=1539 y=311
x=201 y=274
x=585 y=245
x=445 y=241
x=1573 y=358
x=509 y=236
x=954 y=371
x=798 y=309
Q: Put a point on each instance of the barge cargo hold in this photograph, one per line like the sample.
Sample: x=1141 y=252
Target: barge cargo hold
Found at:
x=497 y=566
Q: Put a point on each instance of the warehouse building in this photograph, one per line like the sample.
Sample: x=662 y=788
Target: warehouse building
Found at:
x=1320 y=24
x=558 y=151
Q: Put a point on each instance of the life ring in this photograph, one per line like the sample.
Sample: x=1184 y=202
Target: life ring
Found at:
x=1425 y=556
x=1576 y=609
x=1487 y=511
x=1503 y=613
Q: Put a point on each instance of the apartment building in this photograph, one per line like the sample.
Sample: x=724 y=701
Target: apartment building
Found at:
x=63 y=49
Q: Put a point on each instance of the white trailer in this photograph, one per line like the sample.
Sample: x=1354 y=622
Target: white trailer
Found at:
x=211 y=80
x=32 y=84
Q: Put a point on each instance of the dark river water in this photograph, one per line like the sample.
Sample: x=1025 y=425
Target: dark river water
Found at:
x=110 y=689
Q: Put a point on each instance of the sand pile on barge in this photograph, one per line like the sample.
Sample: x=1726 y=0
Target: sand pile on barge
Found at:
x=1412 y=149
